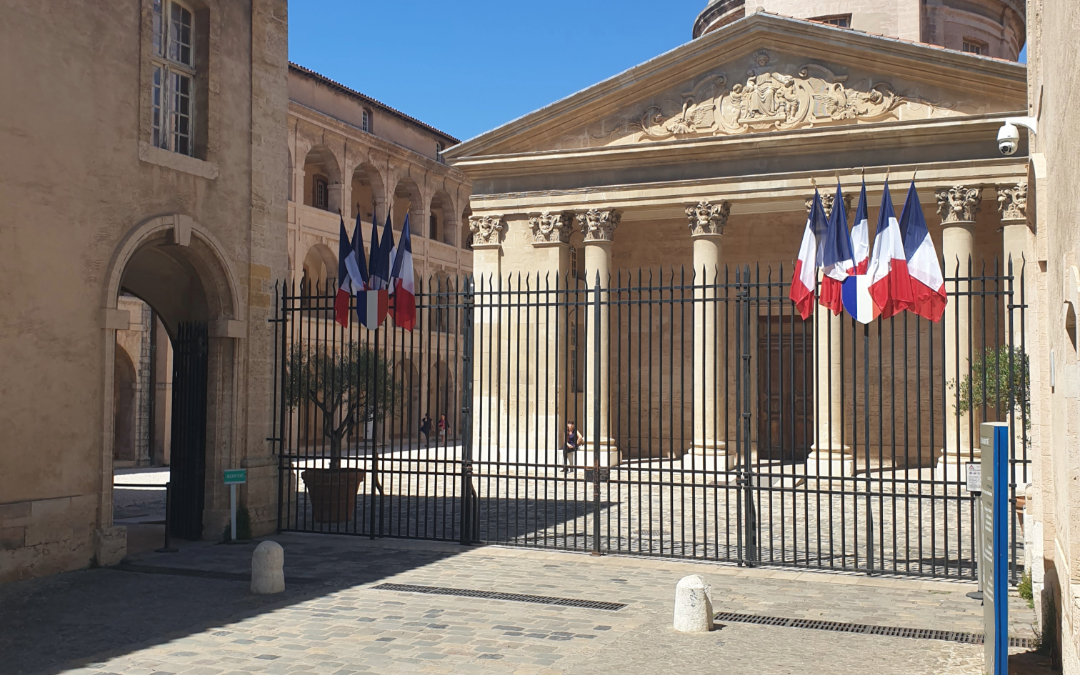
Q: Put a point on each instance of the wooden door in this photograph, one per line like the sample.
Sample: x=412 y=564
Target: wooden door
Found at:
x=785 y=368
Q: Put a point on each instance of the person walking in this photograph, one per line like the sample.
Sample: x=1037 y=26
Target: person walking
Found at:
x=444 y=427
x=574 y=439
x=425 y=428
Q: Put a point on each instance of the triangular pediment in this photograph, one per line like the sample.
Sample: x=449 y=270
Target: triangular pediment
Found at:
x=760 y=74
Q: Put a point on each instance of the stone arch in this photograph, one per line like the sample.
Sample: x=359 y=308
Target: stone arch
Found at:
x=367 y=186
x=411 y=414
x=319 y=269
x=322 y=171
x=124 y=402
x=443 y=218
x=407 y=196
x=442 y=396
x=178 y=267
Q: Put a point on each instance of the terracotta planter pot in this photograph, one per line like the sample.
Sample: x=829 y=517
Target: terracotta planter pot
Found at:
x=333 y=493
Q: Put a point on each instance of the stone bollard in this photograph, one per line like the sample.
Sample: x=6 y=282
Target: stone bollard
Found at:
x=268 y=568
x=693 y=605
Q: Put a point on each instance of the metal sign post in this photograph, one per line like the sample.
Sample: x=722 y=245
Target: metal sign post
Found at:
x=234 y=477
x=993 y=572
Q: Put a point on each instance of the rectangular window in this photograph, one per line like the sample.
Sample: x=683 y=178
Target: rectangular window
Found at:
x=320 y=192
x=838 y=20
x=367 y=121
x=974 y=47
x=173 y=80
x=438 y=152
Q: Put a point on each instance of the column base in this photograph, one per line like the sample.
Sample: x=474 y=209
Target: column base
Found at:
x=952 y=464
x=609 y=453
x=835 y=462
x=709 y=457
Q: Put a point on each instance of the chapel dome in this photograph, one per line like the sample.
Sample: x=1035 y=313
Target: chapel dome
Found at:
x=988 y=27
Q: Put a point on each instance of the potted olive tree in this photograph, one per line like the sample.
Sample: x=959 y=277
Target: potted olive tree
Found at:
x=349 y=386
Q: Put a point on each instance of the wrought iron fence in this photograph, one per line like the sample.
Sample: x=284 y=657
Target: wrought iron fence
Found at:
x=712 y=422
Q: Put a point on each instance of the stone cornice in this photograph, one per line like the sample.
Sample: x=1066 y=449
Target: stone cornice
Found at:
x=945 y=68
x=750 y=193
x=837 y=139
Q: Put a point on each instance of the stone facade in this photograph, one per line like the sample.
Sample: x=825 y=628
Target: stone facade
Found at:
x=1050 y=228
x=182 y=207
x=994 y=27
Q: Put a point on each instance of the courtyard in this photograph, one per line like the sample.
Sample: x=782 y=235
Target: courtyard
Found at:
x=191 y=612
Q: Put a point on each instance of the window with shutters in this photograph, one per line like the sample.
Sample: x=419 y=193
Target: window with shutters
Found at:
x=172 y=99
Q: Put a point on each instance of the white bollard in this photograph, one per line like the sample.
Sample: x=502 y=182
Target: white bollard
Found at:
x=693 y=605
x=268 y=568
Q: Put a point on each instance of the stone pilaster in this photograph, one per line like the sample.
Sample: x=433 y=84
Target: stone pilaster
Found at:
x=487 y=233
x=598 y=228
x=958 y=207
x=709 y=451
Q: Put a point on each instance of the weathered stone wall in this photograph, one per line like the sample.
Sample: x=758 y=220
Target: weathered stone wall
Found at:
x=1053 y=81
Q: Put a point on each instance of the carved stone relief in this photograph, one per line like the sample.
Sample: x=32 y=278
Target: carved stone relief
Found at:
x=599 y=224
x=827 y=200
x=771 y=96
x=551 y=228
x=1012 y=201
x=486 y=230
x=706 y=218
x=959 y=204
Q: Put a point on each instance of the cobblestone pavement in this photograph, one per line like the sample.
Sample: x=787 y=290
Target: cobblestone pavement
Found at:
x=191 y=613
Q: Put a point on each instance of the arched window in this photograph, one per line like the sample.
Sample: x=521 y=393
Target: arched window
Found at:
x=173 y=93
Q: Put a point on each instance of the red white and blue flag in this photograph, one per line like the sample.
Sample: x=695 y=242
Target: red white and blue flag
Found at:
x=889 y=284
x=352 y=272
x=837 y=259
x=372 y=301
x=402 y=283
x=860 y=234
x=804 y=279
x=927 y=283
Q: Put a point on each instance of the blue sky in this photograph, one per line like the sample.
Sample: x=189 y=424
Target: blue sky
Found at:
x=469 y=66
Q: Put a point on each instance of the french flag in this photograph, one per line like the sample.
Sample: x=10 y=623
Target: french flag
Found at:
x=889 y=284
x=372 y=300
x=927 y=284
x=860 y=234
x=810 y=254
x=837 y=259
x=401 y=279
x=352 y=273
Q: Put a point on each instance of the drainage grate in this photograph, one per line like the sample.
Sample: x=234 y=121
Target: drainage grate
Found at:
x=512 y=597
x=865 y=629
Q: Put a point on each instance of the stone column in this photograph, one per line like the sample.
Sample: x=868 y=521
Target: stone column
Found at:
x=337 y=196
x=598 y=227
x=487 y=233
x=709 y=451
x=551 y=252
x=958 y=207
x=1018 y=244
x=829 y=456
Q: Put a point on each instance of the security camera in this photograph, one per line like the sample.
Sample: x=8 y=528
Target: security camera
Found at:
x=1008 y=139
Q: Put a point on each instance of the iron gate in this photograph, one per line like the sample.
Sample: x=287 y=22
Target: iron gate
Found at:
x=188 y=464
x=823 y=443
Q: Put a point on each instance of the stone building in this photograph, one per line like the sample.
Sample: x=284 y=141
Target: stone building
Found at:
x=1052 y=520
x=165 y=184
x=707 y=156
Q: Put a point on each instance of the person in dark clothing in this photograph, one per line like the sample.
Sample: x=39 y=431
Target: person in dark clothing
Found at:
x=425 y=428
x=573 y=442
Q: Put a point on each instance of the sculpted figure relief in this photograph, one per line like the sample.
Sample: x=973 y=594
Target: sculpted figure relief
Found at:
x=551 y=228
x=1012 y=201
x=486 y=229
x=706 y=218
x=959 y=204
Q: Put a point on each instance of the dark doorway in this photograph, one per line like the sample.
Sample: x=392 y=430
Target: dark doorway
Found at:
x=785 y=388
x=188 y=469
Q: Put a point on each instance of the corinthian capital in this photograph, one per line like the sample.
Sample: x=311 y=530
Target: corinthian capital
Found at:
x=1012 y=201
x=599 y=224
x=827 y=203
x=551 y=228
x=958 y=204
x=706 y=218
x=486 y=230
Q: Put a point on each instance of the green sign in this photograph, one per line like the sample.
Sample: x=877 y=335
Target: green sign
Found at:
x=235 y=476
